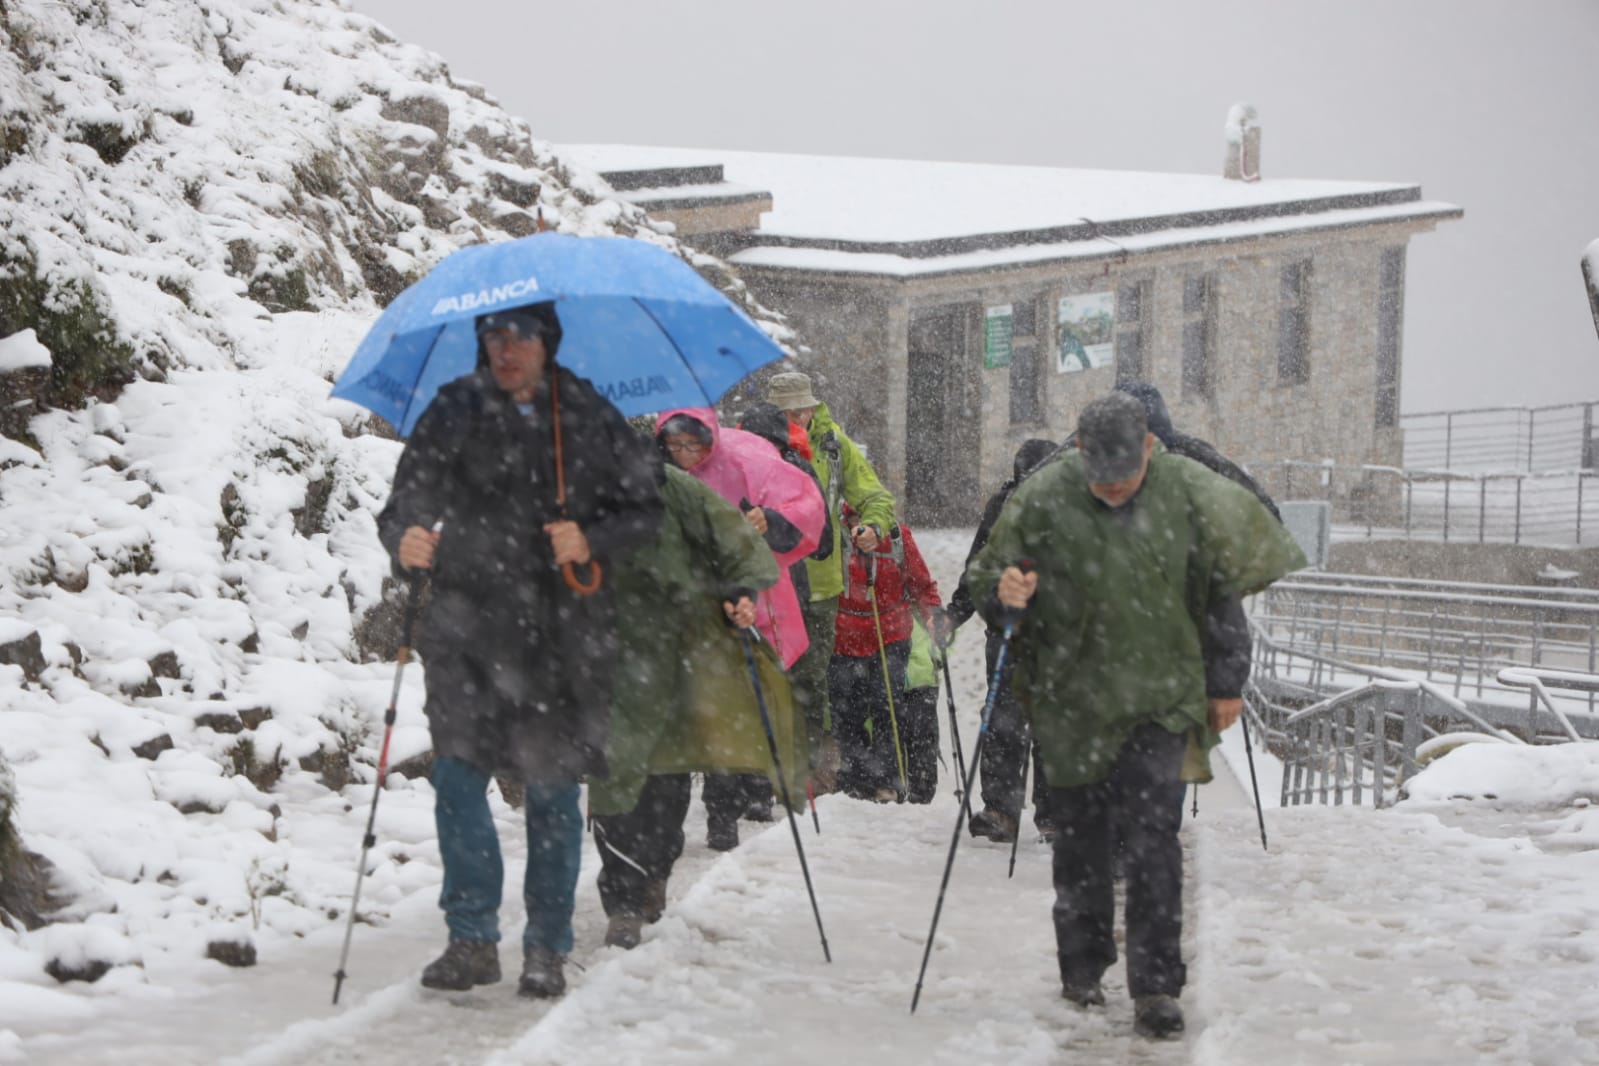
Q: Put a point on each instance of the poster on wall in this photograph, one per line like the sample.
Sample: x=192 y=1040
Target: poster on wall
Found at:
x=998 y=328
x=1084 y=325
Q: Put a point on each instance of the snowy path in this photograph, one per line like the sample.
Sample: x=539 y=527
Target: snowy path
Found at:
x=1462 y=933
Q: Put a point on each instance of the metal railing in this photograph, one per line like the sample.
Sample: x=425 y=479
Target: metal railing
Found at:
x=1552 y=507
x=1458 y=635
x=1557 y=437
x=1360 y=745
x=1355 y=677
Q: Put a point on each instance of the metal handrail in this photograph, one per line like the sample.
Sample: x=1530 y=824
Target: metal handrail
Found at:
x=1318 y=577
x=1394 y=679
x=1535 y=680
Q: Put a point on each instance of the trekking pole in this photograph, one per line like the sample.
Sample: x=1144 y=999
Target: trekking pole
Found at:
x=782 y=784
x=368 y=840
x=1254 y=785
x=810 y=794
x=1016 y=837
x=1012 y=616
x=954 y=726
x=888 y=683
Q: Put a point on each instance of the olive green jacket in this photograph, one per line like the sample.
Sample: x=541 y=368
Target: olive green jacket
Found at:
x=846 y=477
x=1111 y=639
x=683 y=700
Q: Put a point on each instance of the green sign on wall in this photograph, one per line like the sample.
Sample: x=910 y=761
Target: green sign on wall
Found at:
x=997 y=331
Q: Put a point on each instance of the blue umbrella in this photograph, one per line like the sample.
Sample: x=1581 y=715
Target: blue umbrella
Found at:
x=636 y=320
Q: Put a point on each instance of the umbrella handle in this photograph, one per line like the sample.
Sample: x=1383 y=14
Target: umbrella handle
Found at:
x=573 y=582
x=568 y=570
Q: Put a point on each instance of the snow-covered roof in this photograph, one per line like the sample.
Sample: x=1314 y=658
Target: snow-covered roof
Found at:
x=913 y=217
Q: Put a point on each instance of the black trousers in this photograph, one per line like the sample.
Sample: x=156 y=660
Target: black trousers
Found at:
x=1009 y=740
x=728 y=796
x=868 y=760
x=642 y=845
x=1142 y=796
x=918 y=729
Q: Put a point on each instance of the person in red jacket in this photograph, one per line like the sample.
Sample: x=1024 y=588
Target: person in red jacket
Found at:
x=868 y=707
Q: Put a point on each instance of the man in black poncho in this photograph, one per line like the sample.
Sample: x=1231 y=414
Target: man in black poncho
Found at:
x=518 y=664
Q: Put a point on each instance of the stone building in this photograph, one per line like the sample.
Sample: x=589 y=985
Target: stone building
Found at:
x=952 y=310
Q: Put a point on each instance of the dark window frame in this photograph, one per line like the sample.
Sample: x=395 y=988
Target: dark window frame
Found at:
x=1026 y=365
x=1199 y=335
x=1132 y=322
x=1390 y=329
x=1293 y=323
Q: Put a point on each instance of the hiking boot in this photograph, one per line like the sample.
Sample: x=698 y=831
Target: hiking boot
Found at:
x=1083 y=993
x=1157 y=1017
x=624 y=931
x=885 y=795
x=720 y=835
x=464 y=964
x=1047 y=831
x=994 y=824
x=542 y=976
x=654 y=901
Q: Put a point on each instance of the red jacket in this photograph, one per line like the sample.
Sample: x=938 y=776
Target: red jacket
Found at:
x=902 y=580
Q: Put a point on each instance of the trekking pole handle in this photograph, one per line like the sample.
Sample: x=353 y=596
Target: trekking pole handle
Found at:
x=1009 y=616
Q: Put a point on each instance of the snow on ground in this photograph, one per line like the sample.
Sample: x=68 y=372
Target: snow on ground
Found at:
x=1458 y=927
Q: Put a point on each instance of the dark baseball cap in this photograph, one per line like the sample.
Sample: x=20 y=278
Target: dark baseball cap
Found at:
x=530 y=320
x=1110 y=433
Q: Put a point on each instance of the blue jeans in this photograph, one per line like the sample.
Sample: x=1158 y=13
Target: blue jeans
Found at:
x=474 y=874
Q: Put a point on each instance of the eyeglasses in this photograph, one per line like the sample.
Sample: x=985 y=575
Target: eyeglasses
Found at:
x=682 y=446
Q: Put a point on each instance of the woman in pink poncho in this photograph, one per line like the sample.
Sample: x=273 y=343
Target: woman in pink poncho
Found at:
x=781 y=502
x=784 y=505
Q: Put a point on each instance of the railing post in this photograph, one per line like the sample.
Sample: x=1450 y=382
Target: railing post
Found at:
x=1448 y=481
x=1582 y=475
x=1379 y=750
x=1449 y=439
x=1410 y=495
x=1482 y=507
x=1517 y=538
x=1586 y=455
x=1410 y=736
x=1335 y=726
x=1532 y=414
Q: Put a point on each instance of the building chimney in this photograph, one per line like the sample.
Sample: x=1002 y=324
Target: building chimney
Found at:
x=1243 y=144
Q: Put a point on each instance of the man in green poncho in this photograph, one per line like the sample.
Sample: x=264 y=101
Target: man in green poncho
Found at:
x=1130 y=564
x=683 y=699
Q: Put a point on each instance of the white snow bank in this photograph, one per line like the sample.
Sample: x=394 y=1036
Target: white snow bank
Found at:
x=21 y=351
x=1561 y=775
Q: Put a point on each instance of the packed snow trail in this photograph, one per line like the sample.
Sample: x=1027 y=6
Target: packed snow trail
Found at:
x=1460 y=930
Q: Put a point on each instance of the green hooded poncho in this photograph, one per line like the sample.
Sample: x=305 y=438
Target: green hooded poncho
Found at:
x=856 y=484
x=1111 y=639
x=683 y=700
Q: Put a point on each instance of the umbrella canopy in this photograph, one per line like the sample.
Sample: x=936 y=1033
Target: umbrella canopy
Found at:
x=636 y=320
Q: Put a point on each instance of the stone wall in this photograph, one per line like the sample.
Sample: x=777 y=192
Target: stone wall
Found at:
x=1488 y=564
x=857 y=329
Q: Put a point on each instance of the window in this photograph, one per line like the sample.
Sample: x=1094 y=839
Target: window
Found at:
x=1390 y=317
x=1199 y=334
x=1293 y=325
x=1132 y=301
x=1026 y=365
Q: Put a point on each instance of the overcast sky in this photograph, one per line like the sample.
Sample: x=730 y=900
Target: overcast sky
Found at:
x=1490 y=105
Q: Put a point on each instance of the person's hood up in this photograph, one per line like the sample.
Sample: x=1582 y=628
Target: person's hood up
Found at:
x=1031 y=455
x=768 y=421
x=1155 y=412
x=705 y=416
